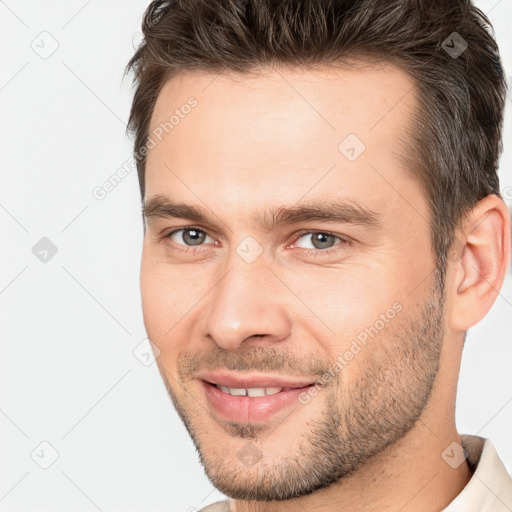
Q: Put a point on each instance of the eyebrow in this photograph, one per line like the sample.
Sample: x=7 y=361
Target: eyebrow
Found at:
x=340 y=211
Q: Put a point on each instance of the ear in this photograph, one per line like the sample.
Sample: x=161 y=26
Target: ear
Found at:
x=481 y=256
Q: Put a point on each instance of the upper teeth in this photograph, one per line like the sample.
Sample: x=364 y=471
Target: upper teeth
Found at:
x=249 y=391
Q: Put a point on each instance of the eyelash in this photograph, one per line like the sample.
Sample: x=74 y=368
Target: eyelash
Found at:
x=311 y=252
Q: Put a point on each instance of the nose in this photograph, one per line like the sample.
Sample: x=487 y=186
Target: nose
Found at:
x=248 y=305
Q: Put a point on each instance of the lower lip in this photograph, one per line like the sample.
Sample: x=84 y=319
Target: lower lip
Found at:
x=246 y=409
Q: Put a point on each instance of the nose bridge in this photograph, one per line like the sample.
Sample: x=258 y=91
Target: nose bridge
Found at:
x=246 y=302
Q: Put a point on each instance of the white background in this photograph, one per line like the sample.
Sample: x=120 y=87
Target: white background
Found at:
x=68 y=375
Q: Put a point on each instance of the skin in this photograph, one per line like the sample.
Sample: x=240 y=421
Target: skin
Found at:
x=270 y=140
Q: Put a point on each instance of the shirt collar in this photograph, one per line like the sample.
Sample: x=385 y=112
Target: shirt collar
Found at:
x=490 y=487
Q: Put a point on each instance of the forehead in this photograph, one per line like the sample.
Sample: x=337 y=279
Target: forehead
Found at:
x=274 y=133
x=361 y=95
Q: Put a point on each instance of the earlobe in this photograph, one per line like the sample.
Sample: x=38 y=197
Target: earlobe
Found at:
x=483 y=251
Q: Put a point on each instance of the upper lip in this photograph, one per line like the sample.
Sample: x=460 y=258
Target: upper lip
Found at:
x=248 y=380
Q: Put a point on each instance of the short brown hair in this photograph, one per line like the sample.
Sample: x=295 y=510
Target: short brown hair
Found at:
x=456 y=144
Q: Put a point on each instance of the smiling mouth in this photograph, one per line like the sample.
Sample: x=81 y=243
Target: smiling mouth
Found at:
x=251 y=397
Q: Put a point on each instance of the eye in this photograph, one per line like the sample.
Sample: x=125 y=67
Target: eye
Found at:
x=189 y=236
x=317 y=240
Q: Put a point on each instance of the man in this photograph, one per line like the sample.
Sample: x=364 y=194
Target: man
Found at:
x=323 y=224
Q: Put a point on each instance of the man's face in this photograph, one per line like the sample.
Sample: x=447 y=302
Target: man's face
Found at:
x=251 y=297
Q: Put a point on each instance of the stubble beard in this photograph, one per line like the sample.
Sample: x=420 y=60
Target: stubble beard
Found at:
x=382 y=402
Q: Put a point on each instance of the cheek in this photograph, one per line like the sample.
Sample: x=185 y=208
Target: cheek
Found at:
x=343 y=302
x=170 y=301
x=161 y=294
x=158 y=306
